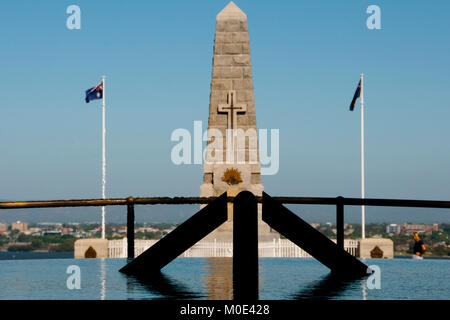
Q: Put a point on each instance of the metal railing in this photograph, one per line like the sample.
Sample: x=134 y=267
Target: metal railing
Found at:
x=130 y=202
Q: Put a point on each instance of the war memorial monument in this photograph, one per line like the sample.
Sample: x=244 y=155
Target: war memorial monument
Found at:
x=232 y=156
x=232 y=112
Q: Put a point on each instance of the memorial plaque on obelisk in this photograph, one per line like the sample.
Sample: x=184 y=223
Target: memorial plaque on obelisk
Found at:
x=232 y=159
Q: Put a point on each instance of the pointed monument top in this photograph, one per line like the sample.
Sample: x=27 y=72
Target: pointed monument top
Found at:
x=231 y=11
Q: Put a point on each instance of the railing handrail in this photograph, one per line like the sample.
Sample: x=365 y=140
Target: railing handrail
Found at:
x=206 y=200
x=130 y=202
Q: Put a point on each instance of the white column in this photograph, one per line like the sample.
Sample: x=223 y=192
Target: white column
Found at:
x=124 y=248
x=279 y=248
x=363 y=213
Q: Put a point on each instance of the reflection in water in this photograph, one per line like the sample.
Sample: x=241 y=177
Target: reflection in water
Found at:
x=219 y=278
x=161 y=285
x=363 y=283
x=364 y=293
x=330 y=286
x=102 y=279
x=216 y=283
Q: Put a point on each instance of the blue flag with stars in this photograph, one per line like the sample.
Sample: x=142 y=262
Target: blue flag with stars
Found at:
x=94 y=93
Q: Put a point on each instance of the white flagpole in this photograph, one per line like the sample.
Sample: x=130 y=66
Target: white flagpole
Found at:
x=103 y=157
x=363 y=213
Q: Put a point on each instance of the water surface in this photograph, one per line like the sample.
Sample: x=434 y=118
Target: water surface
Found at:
x=211 y=278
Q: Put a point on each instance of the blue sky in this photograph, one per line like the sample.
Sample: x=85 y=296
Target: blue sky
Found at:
x=306 y=60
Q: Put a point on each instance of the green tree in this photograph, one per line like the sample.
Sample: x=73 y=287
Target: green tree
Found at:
x=16 y=248
x=37 y=244
x=441 y=251
x=3 y=240
x=13 y=235
x=67 y=245
x=24 y=238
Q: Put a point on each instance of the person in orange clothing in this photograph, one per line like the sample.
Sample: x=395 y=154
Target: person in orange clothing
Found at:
x=419 y=247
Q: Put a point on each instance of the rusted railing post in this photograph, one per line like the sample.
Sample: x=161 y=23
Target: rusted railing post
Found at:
x=340 y=222
x=130 y=227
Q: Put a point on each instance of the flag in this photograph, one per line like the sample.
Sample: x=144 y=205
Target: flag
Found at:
x=356 y=96
x=94 y=93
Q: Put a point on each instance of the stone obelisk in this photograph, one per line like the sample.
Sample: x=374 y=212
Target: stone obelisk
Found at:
x=232 y=166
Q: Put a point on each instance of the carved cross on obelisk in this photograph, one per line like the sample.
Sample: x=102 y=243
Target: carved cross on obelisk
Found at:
x=232 y=108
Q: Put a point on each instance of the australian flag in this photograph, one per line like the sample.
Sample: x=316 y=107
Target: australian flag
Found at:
x=94 y=93
x=356 y=96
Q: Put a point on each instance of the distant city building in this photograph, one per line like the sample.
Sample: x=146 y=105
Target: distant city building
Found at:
x=50 y=226
x=393 y=228
x=79 y=234
x=3 y=227
x=66 y=230
x=315 y=225
x=21 y=226
x=402 y=247
x=168 y=230
x=147 y=229
x=33 y=231
x=52 y=233
x=349 y=231
x=420 y=228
